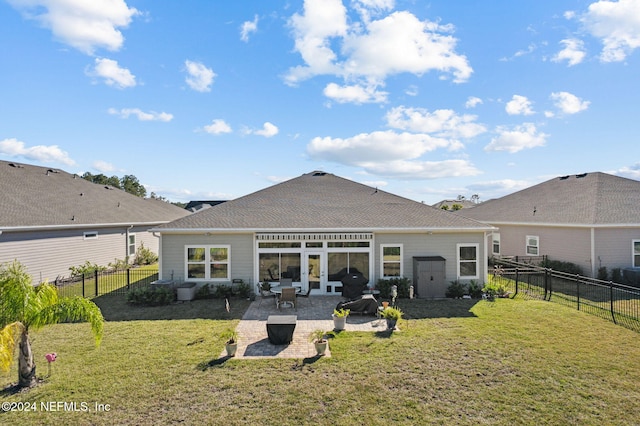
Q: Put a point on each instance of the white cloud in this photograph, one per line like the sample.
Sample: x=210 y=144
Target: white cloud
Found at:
x=617 y=25
x=268 y=130
x=141 y=115
x=84 y=25
x=112 y=73
x=356 y=94
x=442 y=122
x=103 y=166
x=631 y=172
x=217 y=127
x=46 y=154
x=199 y=78
x=367 y=52
x=472 y=102
x=400 y=169
x=519 y=105
x=569 y=103
x=247 y=28
x=573 y=52
x=521 y=137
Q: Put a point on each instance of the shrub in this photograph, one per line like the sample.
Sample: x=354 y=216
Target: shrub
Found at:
x=119 y=264
x=203 y=292
x=87 y=268
x=243 y=290
x=602 y=273
x=144 y=256
x=221 y=291
x=494 y=289
x=475 y=290
x=151 y=296
x=384 y=285
x=456 y=290
x=558 y=265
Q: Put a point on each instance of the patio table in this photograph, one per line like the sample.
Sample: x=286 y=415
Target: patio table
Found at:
x=280 y=328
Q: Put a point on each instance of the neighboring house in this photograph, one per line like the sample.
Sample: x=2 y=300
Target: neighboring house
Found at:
x=590 y=219
x=51 y=220
x=315 y=228
x=194 y=206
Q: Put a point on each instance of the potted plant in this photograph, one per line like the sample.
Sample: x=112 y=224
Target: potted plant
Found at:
x=340 y=318
x=392 y=315
x=319 y=340
x=231 y=341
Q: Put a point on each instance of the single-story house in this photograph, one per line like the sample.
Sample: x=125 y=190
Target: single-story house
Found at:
x=315 y=228
x=51 y=220
x=590 y=219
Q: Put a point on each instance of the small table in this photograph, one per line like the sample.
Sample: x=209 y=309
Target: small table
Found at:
x=278 y=289
x=371 y=292
x=280 y=328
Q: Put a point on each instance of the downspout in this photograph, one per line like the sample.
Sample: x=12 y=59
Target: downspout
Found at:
x=593 y=252
x=159 y=236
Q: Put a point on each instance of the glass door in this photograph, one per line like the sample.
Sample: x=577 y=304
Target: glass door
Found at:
x=315 y=275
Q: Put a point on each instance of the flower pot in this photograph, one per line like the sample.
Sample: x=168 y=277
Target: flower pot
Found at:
x=231 y=348
x=339 y=322
x=321 y=347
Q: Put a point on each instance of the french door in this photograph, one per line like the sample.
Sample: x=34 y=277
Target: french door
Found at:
x=315 y=276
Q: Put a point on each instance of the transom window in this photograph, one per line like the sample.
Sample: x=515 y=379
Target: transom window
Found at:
x=533 y=245
x=468 y=266
x=391 y=260
x=208 y=262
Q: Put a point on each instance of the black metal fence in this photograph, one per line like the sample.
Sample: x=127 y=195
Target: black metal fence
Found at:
x=100 y=283
x=615 y=302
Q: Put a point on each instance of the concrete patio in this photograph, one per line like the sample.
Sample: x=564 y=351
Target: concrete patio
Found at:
x=313 y=313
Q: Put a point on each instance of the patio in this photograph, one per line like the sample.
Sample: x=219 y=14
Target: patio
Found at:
x=314 y=313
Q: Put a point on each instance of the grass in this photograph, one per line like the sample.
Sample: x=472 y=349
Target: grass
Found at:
x=454 y=362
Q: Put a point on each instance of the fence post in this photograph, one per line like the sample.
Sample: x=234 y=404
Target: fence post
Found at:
x=578 y=290
x=516 y=280
x=83 y=285
x=546 y=283
x=95 y=275
x=128 y=278
x=613 y=316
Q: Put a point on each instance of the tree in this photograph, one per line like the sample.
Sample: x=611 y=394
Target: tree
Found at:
x=25 y=308
x=102 y=179
x=131 y=184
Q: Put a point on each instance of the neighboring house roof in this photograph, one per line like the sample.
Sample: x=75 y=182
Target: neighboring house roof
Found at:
x=320 y=201
x=194 y=206
x=585 y=199
x=36 y=197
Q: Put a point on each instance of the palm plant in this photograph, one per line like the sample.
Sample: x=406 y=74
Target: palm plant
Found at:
x=24 y=308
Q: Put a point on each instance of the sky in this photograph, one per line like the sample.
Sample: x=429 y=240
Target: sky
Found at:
x=430 y=100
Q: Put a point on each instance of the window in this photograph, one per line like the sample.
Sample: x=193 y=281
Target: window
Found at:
x=391 y=260
x=131 y=245
x=274 y=266
x=92 y=235
x=495 y=244
x=636 y=253
x=208 y=263
x=533 y=245
x=468 y=261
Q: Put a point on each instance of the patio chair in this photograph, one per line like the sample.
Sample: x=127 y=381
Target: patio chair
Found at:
x=288 y=296
x=263 y=292
x=307 y=294
x=286 y=282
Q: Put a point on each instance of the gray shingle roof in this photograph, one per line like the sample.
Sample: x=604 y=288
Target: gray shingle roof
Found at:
x=33 y=196
x=586 y=199
x=322 y=201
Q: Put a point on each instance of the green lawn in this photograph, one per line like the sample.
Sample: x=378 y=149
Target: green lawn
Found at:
x=454 y=362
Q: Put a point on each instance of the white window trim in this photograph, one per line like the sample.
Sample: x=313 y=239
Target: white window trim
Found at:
x=526 y=245
x=382 y=262
x=207 y=262
x=633 y=253
x=458 y=260
x=90 y=235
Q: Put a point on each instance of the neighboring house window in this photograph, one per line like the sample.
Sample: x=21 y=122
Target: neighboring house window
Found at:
x=495 y=244
x=468 y=265
x=132 y=245
x=533 y=245
x=391 y=260
x=92 y=235
x=208 y=262
x=636 y=253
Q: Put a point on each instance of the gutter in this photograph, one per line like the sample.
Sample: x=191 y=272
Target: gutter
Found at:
x=316 y=230
x=76 y=226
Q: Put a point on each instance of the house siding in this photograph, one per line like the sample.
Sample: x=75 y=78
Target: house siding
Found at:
x=242 y=254
x=613 y=247
x=47 y=255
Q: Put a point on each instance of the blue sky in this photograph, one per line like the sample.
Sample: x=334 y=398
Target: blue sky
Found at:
x=425 y=99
